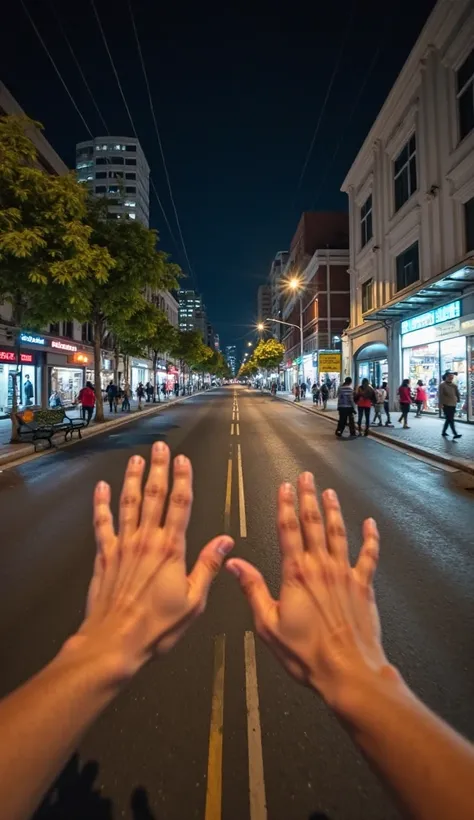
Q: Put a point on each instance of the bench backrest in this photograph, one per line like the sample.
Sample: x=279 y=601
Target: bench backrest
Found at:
x=52 y=416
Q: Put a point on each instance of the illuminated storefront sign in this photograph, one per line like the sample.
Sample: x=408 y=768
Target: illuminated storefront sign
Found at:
x=64 y=346
x=29 y=339
x=79 y=358
x=329 y=362
x=430 y=334
x=10 y=356
x=432 y=317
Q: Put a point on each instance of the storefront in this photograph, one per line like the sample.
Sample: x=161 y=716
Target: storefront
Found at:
x=372 y=363
x=28 y=379
x=329 y=369
x=437 y=341
x=142 y=372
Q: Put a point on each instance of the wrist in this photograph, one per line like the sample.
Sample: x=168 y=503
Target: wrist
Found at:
x=106 y=666
x=357 y=696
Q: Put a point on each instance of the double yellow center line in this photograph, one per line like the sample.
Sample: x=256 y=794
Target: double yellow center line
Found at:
x=235 y=432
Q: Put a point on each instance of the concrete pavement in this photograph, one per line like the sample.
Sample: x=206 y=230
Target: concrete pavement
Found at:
x=148 y=756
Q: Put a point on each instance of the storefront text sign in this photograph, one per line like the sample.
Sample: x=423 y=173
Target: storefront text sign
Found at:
x=432 y=317
x=427 y=335
x=329 y=362
x=64 y=346
x=10 y=356
x=29 y=339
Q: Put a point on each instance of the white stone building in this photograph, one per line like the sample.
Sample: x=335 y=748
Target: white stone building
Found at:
x=411 y=205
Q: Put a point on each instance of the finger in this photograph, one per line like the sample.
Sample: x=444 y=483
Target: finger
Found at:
x=263 y=606
x=205 y=569
x=107 y=559
x=130 y=498
x=181 y=501
x=369 y=554
x=156 y=487
x=336 y=537
x=311 y=520
x=103 y=521
x=289 y=533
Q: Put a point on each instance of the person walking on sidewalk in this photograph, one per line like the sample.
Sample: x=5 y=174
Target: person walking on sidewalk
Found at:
x=379 y=404
x=86 y=399
x=420 y=398
x=364 y=398
x=315 y=391
x=346 y=408
x=112 y=396
x=149 y=391
x=140 y=395
x=324 y=395
x=127 y=394
x=296 y=391
x=448 y=395
x=405 y=398
x=386 y=405
x=303 y=390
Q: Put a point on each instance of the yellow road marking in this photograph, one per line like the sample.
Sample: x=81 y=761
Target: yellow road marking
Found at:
x=258 y=803
x=228 y=496
x=243 y=517
x=214 y=764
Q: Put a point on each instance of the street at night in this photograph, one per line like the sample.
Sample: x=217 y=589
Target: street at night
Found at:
x=149 y=754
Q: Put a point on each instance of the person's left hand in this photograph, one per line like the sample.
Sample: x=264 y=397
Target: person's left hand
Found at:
x=141 y=600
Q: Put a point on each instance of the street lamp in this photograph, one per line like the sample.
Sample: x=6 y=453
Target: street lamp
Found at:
x=249 y=344
x=296 y=285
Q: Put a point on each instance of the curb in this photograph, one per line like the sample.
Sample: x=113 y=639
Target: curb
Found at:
x=88 y=432
x=459 y=463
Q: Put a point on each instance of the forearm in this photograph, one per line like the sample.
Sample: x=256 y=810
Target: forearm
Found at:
x=425 y=763
x=42 y=722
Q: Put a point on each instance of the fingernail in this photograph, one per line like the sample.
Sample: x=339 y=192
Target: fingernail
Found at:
x=159 y=446
x=287 y=487
x=308 y=479
x=224 y=546
x=181 y=461
x=234 y=569
x=101 y=487
x=331 y=495
x=137 y=460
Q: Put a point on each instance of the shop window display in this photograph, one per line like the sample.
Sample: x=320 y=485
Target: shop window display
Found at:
x=376 y=371
x=453 y=357
x=422 y=362
x=66 y=383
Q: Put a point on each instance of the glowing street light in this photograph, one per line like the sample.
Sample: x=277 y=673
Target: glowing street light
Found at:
x=261 y=327
x=249 y=344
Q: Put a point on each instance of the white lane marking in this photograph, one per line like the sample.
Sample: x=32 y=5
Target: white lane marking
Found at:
x=258 y=803
x=243 y=517
x=232 y=429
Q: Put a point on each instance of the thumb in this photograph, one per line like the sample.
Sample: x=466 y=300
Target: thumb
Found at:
x=207 y=566
x=263 y=606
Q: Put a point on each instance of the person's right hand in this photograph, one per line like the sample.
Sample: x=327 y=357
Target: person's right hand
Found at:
x=325 y=628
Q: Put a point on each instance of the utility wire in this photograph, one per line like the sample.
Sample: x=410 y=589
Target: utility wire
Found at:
x=130 y=118
x=152 y=109
x=78 y=65
x=55 y=66
x=328 y=92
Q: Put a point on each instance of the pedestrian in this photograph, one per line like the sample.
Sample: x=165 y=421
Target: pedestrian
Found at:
x=405 y=399
x=87 y=401
x=149 y=391
x=380 y=395
x=127 y=393
x=176 y=389
x=111 y=393
x=346 y=408
x=303 y=390
x=163 y=390
x=386 y=405
x=140 y=395
x=364 y=398
x=296 y=391
x=448 y=395
x=28 y=391
x=324 y=394
x=55 y=400
x=316 y=393
x=420 y=398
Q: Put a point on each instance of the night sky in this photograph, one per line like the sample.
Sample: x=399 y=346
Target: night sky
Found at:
x=237 y=93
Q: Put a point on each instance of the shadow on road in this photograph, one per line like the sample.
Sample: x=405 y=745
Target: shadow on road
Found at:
x=74 y=796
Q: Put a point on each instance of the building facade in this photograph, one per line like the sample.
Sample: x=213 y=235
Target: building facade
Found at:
x=264 y=303
x=274 y=280
x=116 y=168
x=411 y=205
x=231 y=357
x=192 y=313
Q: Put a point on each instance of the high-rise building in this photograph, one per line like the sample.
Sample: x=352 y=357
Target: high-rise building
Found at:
x=116 y=168
x=264 y=302
x=192 y=313
x=231 y=357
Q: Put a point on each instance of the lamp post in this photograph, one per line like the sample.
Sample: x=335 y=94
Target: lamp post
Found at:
x=296 y=285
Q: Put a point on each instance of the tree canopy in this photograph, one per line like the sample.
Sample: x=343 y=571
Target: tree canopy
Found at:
x=268 y=353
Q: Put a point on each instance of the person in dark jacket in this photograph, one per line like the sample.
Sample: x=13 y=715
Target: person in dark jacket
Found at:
x=111 y=392
x=28 y=391
x=346 y=408
x=364 y=398
x=386 y=405
x=324 y=394
x=448 y=395
x=149 y=391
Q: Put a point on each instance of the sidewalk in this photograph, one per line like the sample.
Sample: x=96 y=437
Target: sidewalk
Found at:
x=13 y=452
x=424 y=436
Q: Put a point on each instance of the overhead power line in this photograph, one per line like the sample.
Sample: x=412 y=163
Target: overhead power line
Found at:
x=130 y=118
x=55 y=66
x=78 y=65
x=328 y=92
x=152 y=109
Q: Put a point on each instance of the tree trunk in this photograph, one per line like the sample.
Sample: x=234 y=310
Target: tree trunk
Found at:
x=15 y=438
x=156 y=391
x=99 y=402
x=117 y=357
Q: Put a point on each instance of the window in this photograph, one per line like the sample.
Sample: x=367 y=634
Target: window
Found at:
x=130 y=189
x=130 y=162
x=119 y=147
x=116 y=160
x=366 y=221
x=87 y=332
x=100 y=189
x=129 y=204
x=130 y=176
x=101 y=147
x=469 y=224
x=54 y=328
x=101 y=161
x=114 y=189
x=68 y=329
x=130 y=147
x=405 y=173
x=86 y=164
x=115 y=174
x=132 y=216
x=100 y=174
x=113 y=216
x=465 y=95
x=408 y=267
x=367 y=295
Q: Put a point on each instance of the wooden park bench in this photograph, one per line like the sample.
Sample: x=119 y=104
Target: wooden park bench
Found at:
x=42 y=425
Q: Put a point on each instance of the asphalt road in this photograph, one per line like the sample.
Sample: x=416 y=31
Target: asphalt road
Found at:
x=147 y=757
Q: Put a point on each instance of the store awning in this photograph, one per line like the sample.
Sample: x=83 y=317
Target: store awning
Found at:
x=450 y=285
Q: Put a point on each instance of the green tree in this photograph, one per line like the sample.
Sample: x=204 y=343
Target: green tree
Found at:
x=248 y=369
x=45 y=242
x=268 y=354
x=190 y=350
